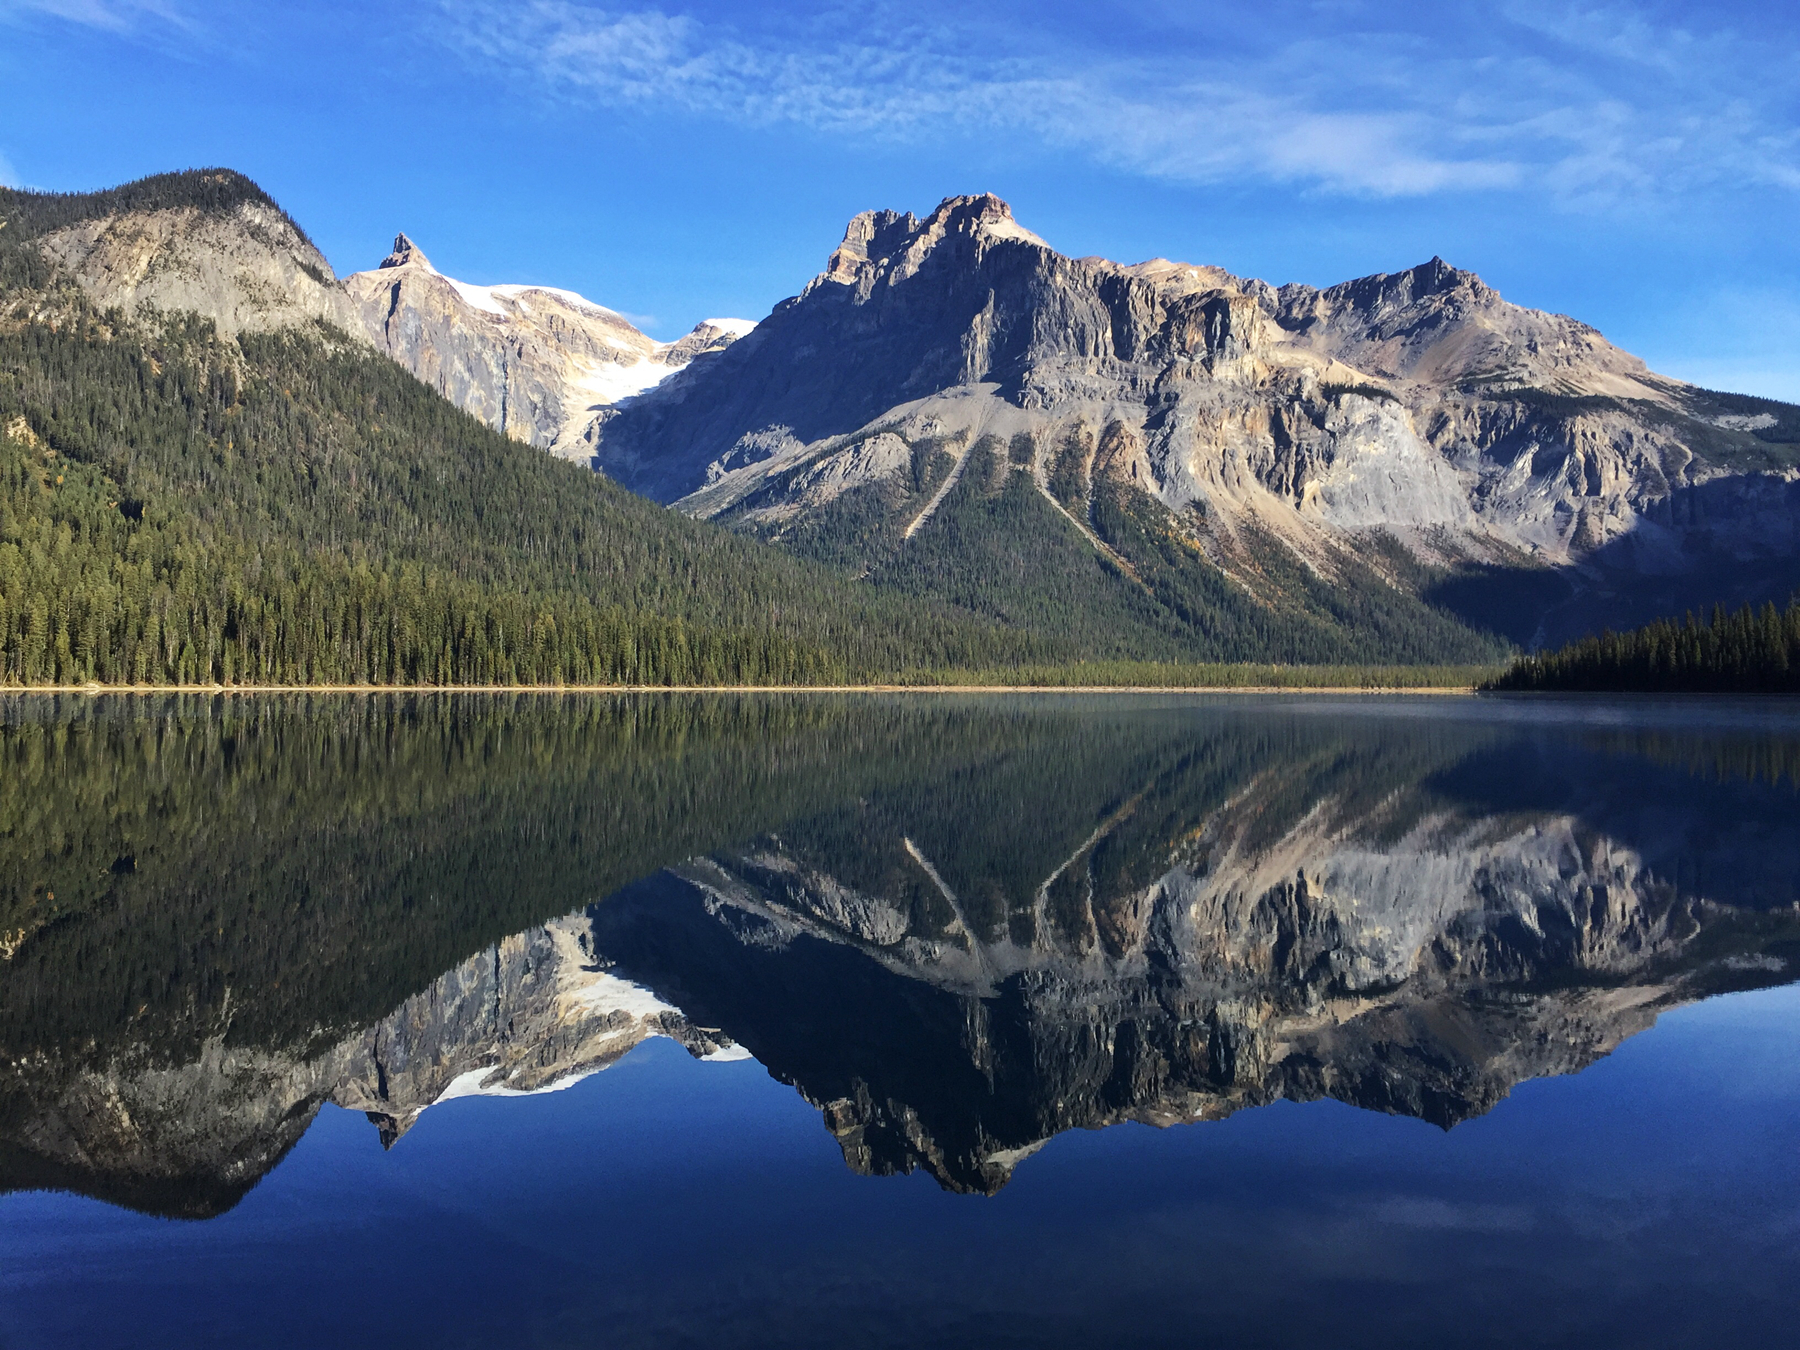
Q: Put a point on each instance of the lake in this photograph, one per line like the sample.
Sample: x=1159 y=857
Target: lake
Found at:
x=948 y=1020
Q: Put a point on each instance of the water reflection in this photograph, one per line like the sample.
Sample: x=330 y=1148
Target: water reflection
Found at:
x=957 y=926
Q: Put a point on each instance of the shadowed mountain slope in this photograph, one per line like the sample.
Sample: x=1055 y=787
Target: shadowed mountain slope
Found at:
x=209 y=475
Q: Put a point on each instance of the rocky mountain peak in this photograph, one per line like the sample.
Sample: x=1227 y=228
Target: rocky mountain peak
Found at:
x=1396 y=290
x=982 y=212
x=208 y=242
x=903 y=241
x=407 y=254
x=536 y=362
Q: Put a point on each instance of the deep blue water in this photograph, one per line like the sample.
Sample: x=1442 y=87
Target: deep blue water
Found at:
x=1650 y=1199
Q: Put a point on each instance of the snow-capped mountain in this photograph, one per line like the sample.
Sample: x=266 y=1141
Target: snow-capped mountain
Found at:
x=536 y=362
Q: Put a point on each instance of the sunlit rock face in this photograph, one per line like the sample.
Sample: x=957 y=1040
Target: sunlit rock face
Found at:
x=248 y=269
x=1417 y=405
x=538 y=363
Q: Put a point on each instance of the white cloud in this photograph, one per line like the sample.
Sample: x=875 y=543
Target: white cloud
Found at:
x=1590 y=107
x=115 y=16
x=9 y=177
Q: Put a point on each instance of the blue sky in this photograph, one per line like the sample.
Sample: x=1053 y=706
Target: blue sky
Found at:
x=1637 y=166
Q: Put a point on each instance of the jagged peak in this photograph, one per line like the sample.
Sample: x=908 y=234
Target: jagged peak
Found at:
x=1435 y=277
x=407 y=254
x=873 y=236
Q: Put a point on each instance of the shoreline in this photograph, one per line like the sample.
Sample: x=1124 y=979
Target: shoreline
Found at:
x=1465 y=690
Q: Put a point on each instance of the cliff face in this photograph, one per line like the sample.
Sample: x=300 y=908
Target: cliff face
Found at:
x=248 y=269
x=1420 y=405
x=537 y=363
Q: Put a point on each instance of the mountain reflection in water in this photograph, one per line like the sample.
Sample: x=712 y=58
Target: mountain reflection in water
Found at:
x=956 y=925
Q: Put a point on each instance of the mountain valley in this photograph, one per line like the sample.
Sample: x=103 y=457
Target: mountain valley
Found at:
x=955 y=447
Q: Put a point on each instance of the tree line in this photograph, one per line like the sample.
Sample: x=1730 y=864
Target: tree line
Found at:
x=177 y=508
x=1752 y=651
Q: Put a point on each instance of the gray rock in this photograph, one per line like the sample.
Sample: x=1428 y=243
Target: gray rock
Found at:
x=536 y=363
x=249 y=270
x=1420 y=405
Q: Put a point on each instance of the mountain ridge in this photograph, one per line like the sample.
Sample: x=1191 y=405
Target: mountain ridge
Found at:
x=537 y=363
x=1155 y=460
x=1416 y=408
x=189 y=498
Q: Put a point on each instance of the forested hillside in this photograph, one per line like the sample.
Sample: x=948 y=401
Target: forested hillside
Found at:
x=999 y=547
x=1750 y=652
x=294 y=508
x=275 y=502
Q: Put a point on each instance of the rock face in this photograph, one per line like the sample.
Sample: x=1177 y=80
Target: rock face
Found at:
x=247 y=268
x=1420 y=405
x=537 y=363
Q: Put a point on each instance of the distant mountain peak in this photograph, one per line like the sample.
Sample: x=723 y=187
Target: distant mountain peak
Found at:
x=877 y=237
x=407 y=254
x=203 y=241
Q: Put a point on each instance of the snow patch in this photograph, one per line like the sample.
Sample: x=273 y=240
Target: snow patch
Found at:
x=479 y=297
x=474 y=1084
x=736 y=327
x=609 y=382
x=511 y=292
x=1011 y=229
x=731 y=1054
x=605 y=993
x=496 y=299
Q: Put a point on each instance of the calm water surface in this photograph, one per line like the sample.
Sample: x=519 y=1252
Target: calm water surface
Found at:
x=819 y=1020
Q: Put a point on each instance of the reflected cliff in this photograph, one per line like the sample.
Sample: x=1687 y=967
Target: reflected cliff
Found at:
x=958 y=926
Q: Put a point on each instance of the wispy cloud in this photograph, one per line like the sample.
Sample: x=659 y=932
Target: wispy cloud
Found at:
x=9 y=177
x=116 y=16
x=1589 y=107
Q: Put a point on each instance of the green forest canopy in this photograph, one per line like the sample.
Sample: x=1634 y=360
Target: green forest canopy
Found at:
x=293 y=508
x=1750 y=652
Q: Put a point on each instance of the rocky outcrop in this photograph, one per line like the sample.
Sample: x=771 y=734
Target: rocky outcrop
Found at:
x=247 y=269
x=1418 y=405
x=537 y=363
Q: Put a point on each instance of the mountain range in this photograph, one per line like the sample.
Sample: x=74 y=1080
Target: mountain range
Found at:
x=1507 y=464
x=1158 y=461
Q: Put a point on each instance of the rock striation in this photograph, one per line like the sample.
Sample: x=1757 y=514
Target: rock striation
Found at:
x=1419 y=406
x=540 y=364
